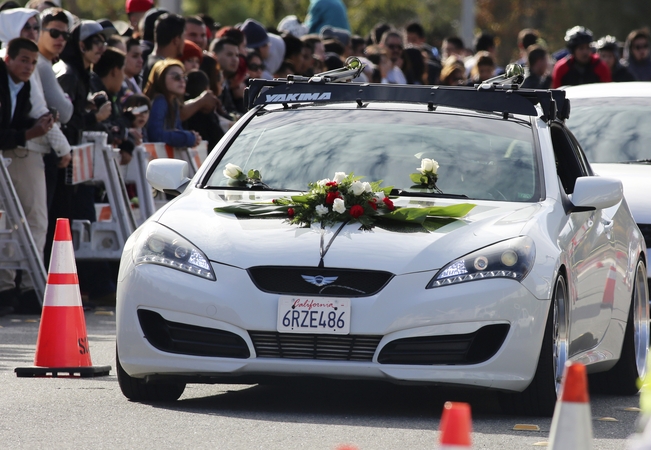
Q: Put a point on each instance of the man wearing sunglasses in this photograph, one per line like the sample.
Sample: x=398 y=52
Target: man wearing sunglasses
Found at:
x=638 y=56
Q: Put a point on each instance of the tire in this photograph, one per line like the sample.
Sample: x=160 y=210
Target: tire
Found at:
x=135 y=389
x=539 y=398
x=622 y=378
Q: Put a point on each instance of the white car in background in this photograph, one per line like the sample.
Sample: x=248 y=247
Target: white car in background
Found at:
x=612 y=122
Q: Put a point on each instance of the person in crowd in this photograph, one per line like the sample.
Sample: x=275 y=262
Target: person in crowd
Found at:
x=314 y=46
x=116 y=41
x=453 y=72
x=414 y=66
x=452 y=46
x=8 y=4
x=341 y=36
x=169 y=38
x=192 y=56
x=381 y=62
x=147 y=27
x=483 y=69
x=537 y=69
x=195 y=31
x=41 y=5
x=294 y=54
x=637 y=57
x=132 y=67
x=206 y=122
x=291 y=24
x=136 y=10
x=229 y=62
x=375 y=36
x=107 y=77
x=526 y=38
x=236 y=35
x=254 y=64
x=391 y=42
x=166 y=89
x=484 y=42
x=256 y=37
x=581 y=66
x=51 y=42
x=16 y=128
x=326 y=12
x=608 y=51
x=135 y=112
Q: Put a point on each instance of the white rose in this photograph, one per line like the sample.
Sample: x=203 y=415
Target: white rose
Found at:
x=357 y=187
x=323 y=182
x=339 y=206
x=339 y=177
x=321 y=210
x=367 y=187
x=380 y=195
x=232 y=171
x=428 y=166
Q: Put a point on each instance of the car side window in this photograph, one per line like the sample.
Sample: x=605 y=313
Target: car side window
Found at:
x=568 y=164
x=580 y=153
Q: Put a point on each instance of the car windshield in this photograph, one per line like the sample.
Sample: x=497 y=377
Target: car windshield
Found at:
x=481 y=157
x=612 y=129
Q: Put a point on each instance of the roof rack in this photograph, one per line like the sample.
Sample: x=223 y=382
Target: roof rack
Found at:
x=500 y=94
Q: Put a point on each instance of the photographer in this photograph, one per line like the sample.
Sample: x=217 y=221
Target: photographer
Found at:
x=105 y=83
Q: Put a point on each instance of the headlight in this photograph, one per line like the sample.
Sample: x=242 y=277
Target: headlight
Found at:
x=160 y=245
x=507 y=259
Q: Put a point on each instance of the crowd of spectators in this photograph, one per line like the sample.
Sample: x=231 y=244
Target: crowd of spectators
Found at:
x=162 y=77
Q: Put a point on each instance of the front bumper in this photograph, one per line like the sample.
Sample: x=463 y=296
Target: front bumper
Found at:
x=403 y=309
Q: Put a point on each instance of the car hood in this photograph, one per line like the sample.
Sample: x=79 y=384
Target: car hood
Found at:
x=636 y=179
x=249 y=242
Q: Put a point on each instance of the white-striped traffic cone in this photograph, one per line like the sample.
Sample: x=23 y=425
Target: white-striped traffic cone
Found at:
x=456 y=426
x=62 y=345
x=572 y=421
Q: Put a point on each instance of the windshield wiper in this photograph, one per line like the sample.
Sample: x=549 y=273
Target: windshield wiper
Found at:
x=250 y=187
x=426 y=194
x=637 y=161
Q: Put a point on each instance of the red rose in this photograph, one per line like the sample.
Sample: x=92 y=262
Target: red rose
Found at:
x=356 y=211
x=331 y=196
x=388 y=203
x=373 y=204
x=331 y=184
x=290 y=212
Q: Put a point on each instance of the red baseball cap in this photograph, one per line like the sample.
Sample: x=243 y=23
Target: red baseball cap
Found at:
x=134 y=6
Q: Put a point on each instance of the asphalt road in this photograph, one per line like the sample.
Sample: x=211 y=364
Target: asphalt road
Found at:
x=92 y=413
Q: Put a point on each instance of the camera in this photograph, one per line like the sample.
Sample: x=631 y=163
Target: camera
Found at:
x=99 y=100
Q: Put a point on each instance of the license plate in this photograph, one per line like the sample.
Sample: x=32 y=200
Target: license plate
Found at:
x=318 y=315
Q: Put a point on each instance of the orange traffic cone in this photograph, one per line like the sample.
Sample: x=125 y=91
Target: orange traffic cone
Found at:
x=572 y=421
x=455 y=426
x=62 y=345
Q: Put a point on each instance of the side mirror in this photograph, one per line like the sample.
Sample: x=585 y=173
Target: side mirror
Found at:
x=168 y=175
x=596 y=193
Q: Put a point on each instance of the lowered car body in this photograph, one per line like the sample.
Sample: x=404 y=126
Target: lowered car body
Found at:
x=545 y=268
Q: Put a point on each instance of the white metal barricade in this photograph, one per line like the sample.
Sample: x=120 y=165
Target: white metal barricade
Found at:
x=17 y=248
x=105 y=238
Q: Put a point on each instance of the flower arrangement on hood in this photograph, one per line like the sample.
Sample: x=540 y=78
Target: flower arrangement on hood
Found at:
x=343 y=199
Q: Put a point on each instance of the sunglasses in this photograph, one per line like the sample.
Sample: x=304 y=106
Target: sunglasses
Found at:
x=178 y=77
x=56 y=34
x=256 y=67
x=28 y=27
x=99 y=41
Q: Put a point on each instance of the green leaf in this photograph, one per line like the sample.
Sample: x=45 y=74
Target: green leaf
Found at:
x=418 y=178
x=416 y=215
x=458 y=210
x=301 y=198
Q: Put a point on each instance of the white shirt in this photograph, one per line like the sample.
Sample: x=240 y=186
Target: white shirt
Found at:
x=14 y=89
x=395 y=76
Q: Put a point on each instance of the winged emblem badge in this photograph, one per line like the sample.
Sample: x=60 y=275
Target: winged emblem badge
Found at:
x=319 y=280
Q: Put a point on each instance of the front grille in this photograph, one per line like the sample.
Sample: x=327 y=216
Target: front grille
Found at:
x=329 y=282
x=314 y=346
x=470 y=348
x=646 y=232
x=175 y=337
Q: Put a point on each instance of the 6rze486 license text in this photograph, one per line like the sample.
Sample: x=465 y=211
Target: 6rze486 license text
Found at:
x=320 y=315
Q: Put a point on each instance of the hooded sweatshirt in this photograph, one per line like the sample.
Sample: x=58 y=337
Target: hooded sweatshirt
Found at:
x=276 y=56
x=12 y=22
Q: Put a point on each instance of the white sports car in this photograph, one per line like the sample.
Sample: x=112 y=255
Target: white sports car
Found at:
x=490 y=254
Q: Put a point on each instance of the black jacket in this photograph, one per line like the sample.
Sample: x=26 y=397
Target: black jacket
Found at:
x=116 y=126
x=77 y=86
x=12 y=131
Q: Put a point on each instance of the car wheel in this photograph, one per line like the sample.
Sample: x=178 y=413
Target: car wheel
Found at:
x=539 y=398
x=137 y=390
x=622 y=378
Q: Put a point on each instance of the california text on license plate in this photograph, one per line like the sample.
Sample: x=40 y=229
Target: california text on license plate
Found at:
x=313 y=315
